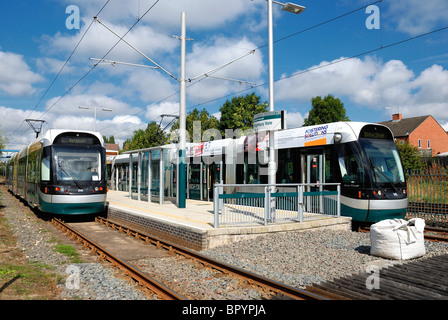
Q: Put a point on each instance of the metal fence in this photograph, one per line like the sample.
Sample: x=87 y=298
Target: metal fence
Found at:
x=299 y=203
x=428 y=194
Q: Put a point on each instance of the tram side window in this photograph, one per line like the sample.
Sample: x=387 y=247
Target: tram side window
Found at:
x=45 y=172
x=248 y=173
x=350 y=164
x=288 y=165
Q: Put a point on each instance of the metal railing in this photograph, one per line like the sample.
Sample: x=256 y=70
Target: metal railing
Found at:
x=428 y=194
x=274 y=203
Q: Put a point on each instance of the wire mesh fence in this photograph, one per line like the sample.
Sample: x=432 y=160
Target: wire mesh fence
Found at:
x=428 y=194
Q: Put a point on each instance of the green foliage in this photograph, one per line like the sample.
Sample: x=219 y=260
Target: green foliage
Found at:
x=150 y=137
x=3 y=141
x=111 y=139
x=206 y=120
x=69 y=251
x=410 y=157
x=329 y=109
x=239 y=113
x=236 y=114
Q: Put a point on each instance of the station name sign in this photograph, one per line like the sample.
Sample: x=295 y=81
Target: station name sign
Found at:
x=270 y=121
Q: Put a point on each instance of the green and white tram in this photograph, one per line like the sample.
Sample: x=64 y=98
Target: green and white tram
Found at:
x=362 y=157
x=61 y=172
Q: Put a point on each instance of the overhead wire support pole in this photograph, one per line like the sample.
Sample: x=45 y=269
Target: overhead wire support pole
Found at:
x=144 y=55
x=182 y=181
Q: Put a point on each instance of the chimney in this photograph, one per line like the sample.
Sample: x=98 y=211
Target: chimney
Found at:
x=397 y=117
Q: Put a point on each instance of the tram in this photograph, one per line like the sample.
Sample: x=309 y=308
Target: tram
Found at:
x=61 y=172
x=362 y=157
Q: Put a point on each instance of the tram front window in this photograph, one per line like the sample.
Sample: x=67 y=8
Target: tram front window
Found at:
x=77 y=164
x=385 y=160
x=351 y=165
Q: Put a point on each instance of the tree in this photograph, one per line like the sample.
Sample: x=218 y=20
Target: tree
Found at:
x=111 y=139
x=150 y=137
x=410 y=156
x=329 y=109
x=207 y=122
x=3 y=141
x=239 y=113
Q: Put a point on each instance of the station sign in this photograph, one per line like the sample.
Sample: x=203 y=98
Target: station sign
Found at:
x=270 y=121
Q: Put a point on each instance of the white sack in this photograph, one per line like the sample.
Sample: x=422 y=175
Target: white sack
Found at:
x=398 y=239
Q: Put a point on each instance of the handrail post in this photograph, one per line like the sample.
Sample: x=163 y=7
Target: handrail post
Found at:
x=216 y=205
x=300 y=202
x=267 y=204
x=339 y=200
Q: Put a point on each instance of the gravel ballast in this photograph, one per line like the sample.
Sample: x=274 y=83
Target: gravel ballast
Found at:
x=295 y=258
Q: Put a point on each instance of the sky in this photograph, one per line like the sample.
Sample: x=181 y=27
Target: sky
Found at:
x=380 y=60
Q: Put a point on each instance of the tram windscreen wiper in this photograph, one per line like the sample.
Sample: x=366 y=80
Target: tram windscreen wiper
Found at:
x=68 y=175
x=385 y=176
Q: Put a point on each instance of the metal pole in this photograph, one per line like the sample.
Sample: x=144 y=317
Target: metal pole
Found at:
x=272 y=167
x=271 y=56
x=94 y=121
x=182 y=119
x=216 y=206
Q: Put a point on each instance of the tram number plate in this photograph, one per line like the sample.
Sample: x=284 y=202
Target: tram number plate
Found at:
x=80 y=190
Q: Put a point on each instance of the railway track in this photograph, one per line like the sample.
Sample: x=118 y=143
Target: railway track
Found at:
x=143 y=279
x=163 y=291
x=225 y=268
x=430 y=233
x=423 y=279
x=436 y=234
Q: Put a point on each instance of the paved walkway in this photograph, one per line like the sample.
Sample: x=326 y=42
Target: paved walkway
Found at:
x=197 y=213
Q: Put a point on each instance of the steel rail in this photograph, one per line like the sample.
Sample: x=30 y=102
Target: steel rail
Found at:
x=142 y=278
x=442 y=233
x=251 y=277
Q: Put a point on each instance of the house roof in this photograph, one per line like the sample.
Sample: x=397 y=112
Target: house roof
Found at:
x=112 y=146
x=404 y=127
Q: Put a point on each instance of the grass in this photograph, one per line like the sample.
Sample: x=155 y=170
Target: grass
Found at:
x=69 y=251
x=19 y=278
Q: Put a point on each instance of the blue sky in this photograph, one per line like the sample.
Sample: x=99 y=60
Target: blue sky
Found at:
x=310 y=58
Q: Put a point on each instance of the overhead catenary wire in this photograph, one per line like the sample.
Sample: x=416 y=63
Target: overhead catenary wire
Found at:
x=95 y=65
x=207 y=74
x=62 y=68
x=381 y=47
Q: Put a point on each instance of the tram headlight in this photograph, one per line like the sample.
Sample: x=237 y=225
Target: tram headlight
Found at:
x=337 y=137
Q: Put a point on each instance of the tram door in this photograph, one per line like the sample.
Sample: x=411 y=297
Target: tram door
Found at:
x=194 y=181
x=315 y=173
x=214 y=176
x=314 y=168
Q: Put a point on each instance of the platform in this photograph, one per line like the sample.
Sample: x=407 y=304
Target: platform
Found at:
x=192 y=226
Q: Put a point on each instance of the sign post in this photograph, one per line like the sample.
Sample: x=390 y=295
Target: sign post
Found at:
x=270 y=121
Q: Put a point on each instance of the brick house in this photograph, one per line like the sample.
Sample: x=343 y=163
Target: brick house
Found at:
x=423 y=132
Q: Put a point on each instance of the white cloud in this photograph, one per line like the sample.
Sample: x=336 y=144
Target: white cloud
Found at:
x=51 y=65
x=368 y=82
x=295 y=119
x=154 y=113
x=414 y=17
x=150 y=85
x=98 y=41
x=208 y=56
x=374 y=84
x=166 y=14
x=70 y=105
x=14 y=127
x=16 y=77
